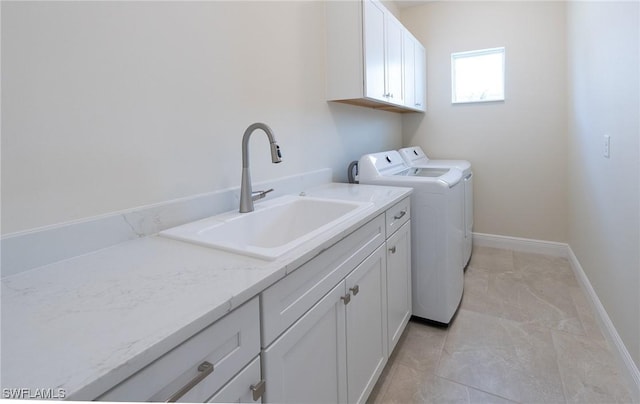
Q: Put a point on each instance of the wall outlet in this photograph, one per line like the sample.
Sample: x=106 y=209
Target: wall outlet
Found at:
x=607 y=146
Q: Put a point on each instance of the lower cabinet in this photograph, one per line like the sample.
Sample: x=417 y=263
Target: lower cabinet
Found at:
x=336 y=351
x=321 y=334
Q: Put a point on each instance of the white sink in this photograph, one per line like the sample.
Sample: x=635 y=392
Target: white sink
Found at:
x=272 y=229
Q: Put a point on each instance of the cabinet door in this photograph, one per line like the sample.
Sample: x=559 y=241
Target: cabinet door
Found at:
x=398 y=283
x=409 y=70
x=393 y=32
x=366 y=325
x=285 y=302
x=374 y=48
x=420 y=77
x=307 y=364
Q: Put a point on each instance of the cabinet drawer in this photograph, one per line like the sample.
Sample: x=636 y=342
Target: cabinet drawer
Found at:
x=228 y=344
x=398 y=215
x=238 y=390
x=287 y=300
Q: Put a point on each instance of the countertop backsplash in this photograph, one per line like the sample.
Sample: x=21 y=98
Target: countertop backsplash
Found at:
x=37 y=247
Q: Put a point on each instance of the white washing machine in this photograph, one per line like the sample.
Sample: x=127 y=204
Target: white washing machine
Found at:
x=437 y=206
x=415 y=157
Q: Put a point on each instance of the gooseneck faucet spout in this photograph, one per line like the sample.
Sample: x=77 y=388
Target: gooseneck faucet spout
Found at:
x=246 y=195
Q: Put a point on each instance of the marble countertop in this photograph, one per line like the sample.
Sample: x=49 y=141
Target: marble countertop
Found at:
x=84 y=324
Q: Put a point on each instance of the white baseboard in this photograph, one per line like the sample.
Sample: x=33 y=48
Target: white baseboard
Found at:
x=606 y=325
x=629 y=369
x=521 y=244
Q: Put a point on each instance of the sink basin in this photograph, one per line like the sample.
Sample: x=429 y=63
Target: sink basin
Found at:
x=272 y=229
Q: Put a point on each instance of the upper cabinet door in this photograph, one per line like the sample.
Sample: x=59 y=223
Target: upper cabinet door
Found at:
x=420 y=77
x=409 y=70
x=393 y=31
x=374 y=51
x=414 y=73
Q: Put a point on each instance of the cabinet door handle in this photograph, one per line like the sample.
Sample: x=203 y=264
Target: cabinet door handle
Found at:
x=258 y=389
x=355 y=290
x=393 y=250
x=399 y=216
x=204 y=370
x=346 y=299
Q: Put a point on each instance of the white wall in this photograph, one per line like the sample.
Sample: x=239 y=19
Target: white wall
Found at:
x=518 y=147
x=604 y=219
x=112 y=105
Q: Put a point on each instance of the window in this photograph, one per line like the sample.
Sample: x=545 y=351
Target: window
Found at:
x=477 y=76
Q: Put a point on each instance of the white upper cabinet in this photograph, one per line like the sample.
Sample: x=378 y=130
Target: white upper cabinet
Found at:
x=420 y=77
x=414 y=73
x=366 y=56
x=374 y=51
x=394 y=31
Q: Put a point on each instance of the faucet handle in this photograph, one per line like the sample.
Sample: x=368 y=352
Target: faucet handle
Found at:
x=260 y=194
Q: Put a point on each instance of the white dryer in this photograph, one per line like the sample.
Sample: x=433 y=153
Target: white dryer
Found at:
x=415 y=157
x=436 y=230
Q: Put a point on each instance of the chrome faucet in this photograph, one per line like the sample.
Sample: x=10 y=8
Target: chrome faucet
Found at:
x=246 y=195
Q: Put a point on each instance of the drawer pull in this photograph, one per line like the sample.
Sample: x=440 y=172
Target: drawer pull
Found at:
x=399 y=216
x=204 y=370
x=355 y=290
x=258 y=389
x=393 y=250
x=346 y=298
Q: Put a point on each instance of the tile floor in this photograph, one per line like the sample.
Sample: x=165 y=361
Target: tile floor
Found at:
x=524 y=333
